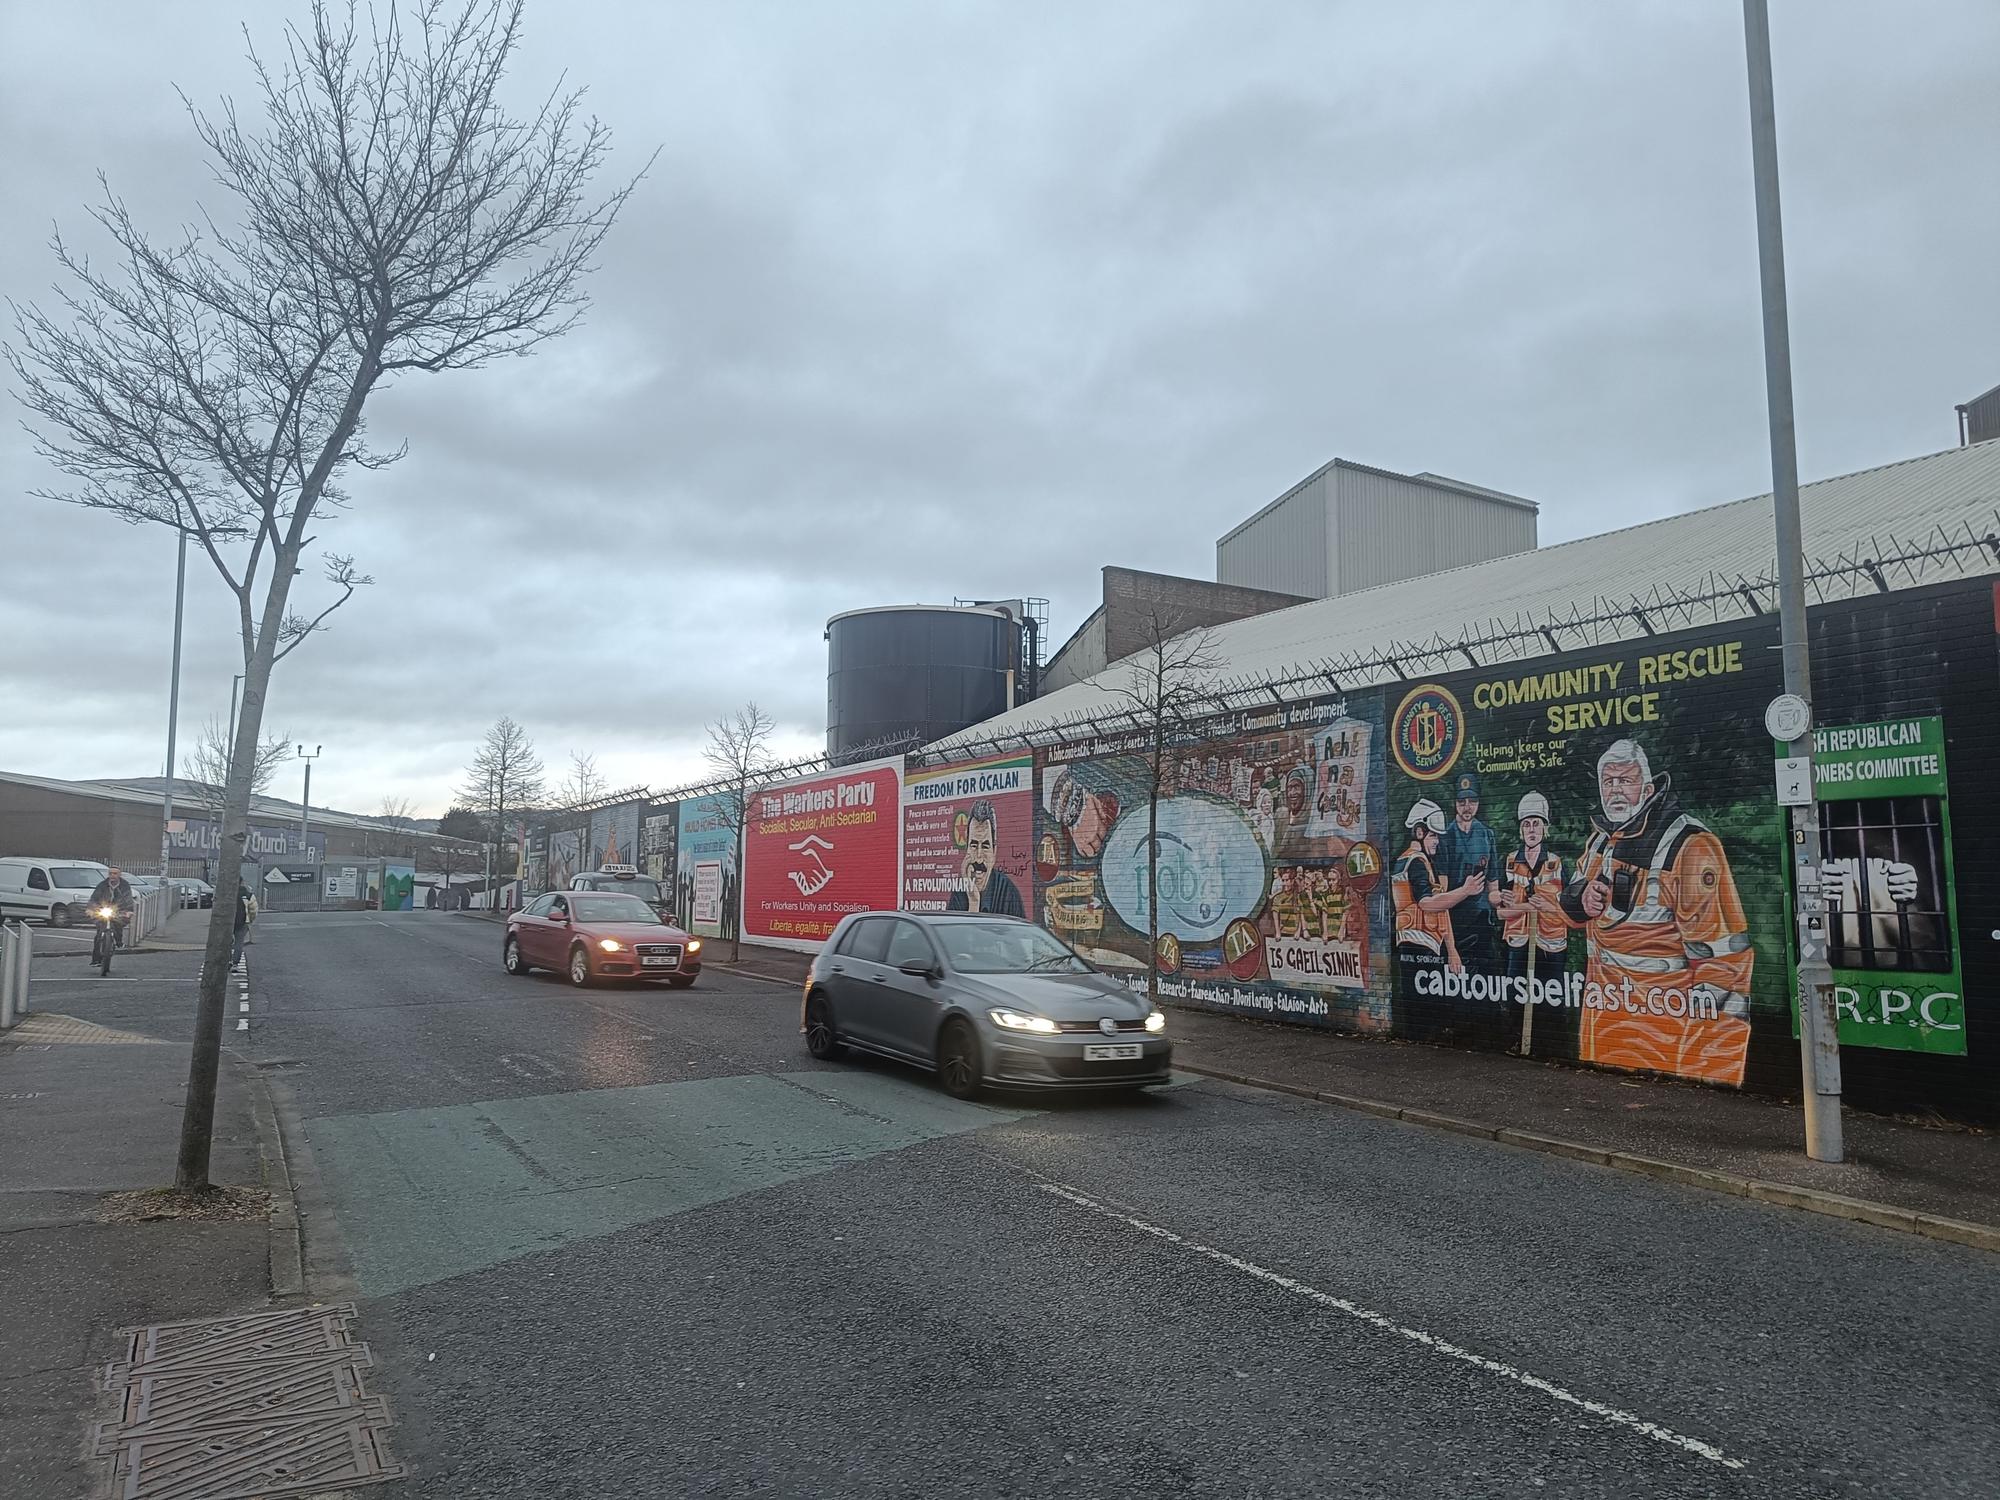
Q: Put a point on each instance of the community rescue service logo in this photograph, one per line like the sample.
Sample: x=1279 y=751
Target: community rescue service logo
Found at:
x=1428 y=732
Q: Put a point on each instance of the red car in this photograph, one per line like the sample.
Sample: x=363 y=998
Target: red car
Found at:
x=590 y=935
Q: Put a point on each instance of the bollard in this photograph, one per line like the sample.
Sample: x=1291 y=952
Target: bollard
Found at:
x=16 y=946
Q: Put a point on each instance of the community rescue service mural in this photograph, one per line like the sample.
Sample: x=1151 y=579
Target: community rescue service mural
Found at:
x=1887 y=882
x=1269 y=839
x=1589 y=858
x=821 y=847
x=705 y=866
x=968 y=837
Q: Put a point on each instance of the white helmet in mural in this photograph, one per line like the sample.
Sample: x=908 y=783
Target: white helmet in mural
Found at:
x=1534 y=805
x=1427 y=813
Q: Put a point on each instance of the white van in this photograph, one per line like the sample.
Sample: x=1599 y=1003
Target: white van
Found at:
x=55 y=891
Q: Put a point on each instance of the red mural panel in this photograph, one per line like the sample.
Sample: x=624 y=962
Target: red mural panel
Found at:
x=818 y=848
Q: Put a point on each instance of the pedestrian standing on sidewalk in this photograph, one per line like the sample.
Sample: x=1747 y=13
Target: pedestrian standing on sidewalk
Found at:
x=242 y=928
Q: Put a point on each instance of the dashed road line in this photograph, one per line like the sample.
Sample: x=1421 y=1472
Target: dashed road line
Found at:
x=1635 y=1425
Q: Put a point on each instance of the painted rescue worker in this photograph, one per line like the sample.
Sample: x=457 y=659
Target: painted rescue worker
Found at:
x=1424 y=937
x=1668 y=944
x=1532 y=920
x=1467 y=850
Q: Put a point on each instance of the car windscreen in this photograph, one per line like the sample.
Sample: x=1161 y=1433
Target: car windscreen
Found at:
x=645 y=888
x=75 y=877
x=1006 y=948
x=595 y=908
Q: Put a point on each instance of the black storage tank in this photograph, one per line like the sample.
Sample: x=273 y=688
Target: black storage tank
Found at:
x=927 y=670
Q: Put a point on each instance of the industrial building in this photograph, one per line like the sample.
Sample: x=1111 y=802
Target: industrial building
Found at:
x=1349 y=526
x=119 y=822
x=1137 y=605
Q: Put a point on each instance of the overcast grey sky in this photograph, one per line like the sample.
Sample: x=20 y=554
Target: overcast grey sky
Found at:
x=932 y=299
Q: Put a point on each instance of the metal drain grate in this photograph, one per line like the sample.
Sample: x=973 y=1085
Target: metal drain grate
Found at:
x=241 y=1408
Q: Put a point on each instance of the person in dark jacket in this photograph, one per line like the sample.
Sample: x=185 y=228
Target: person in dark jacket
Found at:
x=115 y=891
x=242 y=928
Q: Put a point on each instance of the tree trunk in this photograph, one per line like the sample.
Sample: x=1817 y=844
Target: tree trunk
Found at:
x=205 y=1056
x=735 y=919
x=1153 y=872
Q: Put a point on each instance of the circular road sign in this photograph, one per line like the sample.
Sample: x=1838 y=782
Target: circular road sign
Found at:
x=1788 y=717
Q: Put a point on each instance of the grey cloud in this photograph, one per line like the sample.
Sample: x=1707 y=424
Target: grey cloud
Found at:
x=923 y=301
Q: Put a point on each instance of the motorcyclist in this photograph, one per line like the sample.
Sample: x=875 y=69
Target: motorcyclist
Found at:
x=116 y=892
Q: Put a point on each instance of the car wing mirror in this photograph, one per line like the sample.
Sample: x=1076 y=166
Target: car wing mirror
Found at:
x=918 y=968
x=558 y=916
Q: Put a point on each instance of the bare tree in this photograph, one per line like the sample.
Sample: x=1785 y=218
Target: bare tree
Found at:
x=390 y=216
x=582 y=783
x=397 y=837
x=505 y=773
x=1161 y=689
x=206 y=766
x=739 y=753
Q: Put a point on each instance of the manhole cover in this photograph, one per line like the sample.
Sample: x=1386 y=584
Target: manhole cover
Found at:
x=270 y=1404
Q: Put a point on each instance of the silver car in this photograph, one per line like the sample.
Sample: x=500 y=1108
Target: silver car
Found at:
x=981 y=1000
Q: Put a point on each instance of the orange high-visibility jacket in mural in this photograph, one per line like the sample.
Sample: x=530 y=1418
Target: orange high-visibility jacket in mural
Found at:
x=1429 y=930
x=1669 y=950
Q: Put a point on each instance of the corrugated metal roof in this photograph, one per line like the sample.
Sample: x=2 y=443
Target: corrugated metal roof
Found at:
x=147 y=791
x=1950 y=495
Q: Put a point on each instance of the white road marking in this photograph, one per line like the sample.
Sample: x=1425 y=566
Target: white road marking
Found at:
x=243 y=1025
x=243 y=1005
x=1432 y=1342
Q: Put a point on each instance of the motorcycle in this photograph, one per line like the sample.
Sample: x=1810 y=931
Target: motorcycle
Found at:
x=105 y=941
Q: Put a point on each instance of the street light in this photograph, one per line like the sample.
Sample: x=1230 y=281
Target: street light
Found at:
x=305 y=798
x=1819 y=1034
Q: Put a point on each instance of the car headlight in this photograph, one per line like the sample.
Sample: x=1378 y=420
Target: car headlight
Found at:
x=1157 y=1021
x=1014 y=1020
x=610 y=945
x=694 y=945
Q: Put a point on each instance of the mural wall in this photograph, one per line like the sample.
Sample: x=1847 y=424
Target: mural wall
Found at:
x=820 y=847
x=1270 y=855
x=968 y=837
x=614 y=836
x=705 y=886
x=567 y=849
x=659 y=832
x=1594 y=836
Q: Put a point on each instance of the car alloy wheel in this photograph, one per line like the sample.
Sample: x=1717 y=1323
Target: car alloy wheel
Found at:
x=579 y=967
x=958 y=1060
x=822 y=1039
x=511 y=957
x=58 y=916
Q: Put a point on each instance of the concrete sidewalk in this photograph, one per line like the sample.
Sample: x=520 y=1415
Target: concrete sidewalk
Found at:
x=1898 y=1174
x=86 y=1110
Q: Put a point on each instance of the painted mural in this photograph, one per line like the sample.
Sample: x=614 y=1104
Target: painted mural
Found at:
x=705 y=887
x=1589 y=857
x=659 y=832
x=566 y=855
x=1270 y=852
x=614 y=836
x=968 y=837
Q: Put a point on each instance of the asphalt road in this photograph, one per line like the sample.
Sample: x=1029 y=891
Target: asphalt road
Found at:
x=635 y=1242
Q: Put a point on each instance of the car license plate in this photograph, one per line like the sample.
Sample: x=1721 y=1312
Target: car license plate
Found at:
x=659 y=961
x=1113 y=1052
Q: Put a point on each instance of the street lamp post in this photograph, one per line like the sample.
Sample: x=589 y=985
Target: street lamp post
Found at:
x=305 y=798
x=1819 y=1035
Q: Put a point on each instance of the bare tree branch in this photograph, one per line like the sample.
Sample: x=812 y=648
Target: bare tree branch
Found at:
x=739 y=753
x=385 y=212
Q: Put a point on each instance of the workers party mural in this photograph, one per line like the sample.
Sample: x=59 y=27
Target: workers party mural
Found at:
x=1588 y=863
x=1269 y=851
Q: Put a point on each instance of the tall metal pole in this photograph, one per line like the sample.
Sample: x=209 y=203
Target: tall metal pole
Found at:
x=306 y=797
x=1819 y=1037
x=173 y=702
